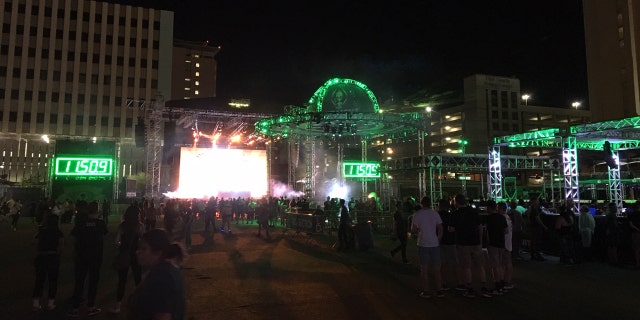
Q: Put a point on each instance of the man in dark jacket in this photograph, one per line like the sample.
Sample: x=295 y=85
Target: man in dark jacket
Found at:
x=345 y=226
x=89 y=247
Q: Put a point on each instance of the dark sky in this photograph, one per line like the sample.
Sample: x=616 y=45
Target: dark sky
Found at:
x=279 y=52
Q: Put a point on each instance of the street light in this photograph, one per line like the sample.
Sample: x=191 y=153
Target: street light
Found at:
x=575 y=104
x=525 y=97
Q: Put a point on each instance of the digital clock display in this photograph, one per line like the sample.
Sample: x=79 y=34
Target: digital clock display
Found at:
x=82 y=167
x=360 y=170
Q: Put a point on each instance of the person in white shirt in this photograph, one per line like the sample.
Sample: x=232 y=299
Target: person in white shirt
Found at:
x=586 y=227
x=427 y=224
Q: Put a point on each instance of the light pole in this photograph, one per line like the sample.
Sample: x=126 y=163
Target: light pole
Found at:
x=575 y=104
x=526 y=97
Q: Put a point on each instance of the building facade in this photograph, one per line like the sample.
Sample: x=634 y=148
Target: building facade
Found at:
x=612 y=36
x=78 y=70
x=492 y=107
x=194 y=70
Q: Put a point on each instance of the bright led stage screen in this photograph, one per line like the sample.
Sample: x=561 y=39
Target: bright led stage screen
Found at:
x=222 y=172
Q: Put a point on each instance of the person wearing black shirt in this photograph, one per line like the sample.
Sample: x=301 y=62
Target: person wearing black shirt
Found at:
x=450 y=265
x=89 y=247
x=50 y=242
x=344 y=228
x=537 y=228
x=401 y=227
x=634 y=225
x=496 y=229
x=468 y=230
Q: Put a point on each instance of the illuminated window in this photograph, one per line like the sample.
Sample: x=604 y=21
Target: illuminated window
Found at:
x=197 y=73
x=187 y=79
x=187 y=89
x=196 y=92
x=197 y=64
x=197 y=83
x=196 y=56
x=187 y=61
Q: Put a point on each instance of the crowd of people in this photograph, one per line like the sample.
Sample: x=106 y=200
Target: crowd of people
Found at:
x=141 y=247
x=459 y=247
x=463 y=248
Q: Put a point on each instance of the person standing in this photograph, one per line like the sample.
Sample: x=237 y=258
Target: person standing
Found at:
x=634 y=225
x=106 y=210
x=564 y=228
x=188 y=217
x=15 y=211
x=507 y=263
x=210 y=216
x=171 y=216
x=127 y=237
x=401 y=228
x=427 y=224
x=515 y=215
x=468 y=229
x=226 y=211
x=448 y=252
x=497 y=227
x=149 y=213
x=586 y=227
x=344 y=236
x=89 y=247
x=537 y=227
x=613 y=234
x=262 y=215
x=50 y=243
x=161 y=294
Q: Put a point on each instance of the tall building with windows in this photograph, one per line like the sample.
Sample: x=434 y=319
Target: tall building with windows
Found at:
x=194 y=70
x=492 y=107
x=76 y=69
x=612 y=36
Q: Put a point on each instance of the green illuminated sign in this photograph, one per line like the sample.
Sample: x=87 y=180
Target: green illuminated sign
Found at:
x=360 y=170
x=83 y=166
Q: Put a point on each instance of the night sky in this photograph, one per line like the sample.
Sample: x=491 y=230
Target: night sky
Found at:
x=279 y=52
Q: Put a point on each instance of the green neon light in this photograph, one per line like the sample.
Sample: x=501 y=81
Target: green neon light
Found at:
x=536 y=135
x=318 y=97
x=361 y=170
x=83 y=166
x=599 y=145
x=606 y=125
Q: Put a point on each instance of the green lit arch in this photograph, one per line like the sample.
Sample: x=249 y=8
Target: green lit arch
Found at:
x=317 y=101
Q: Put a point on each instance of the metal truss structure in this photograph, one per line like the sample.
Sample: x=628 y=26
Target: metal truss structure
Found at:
x=156 y=113
x=320 y=120
x=154 y=150
x=495 y=174
x=570 y=165
x=622 y=134
x=493 y=163
x=471 y=162
x=615 y=184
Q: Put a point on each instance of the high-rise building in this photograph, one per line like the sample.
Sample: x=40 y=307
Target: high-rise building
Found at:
x=77 y=69
x=492 y=106
x=612 y=36
x=194 y=70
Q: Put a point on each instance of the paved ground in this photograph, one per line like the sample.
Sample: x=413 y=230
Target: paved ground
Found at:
x=295 y=276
